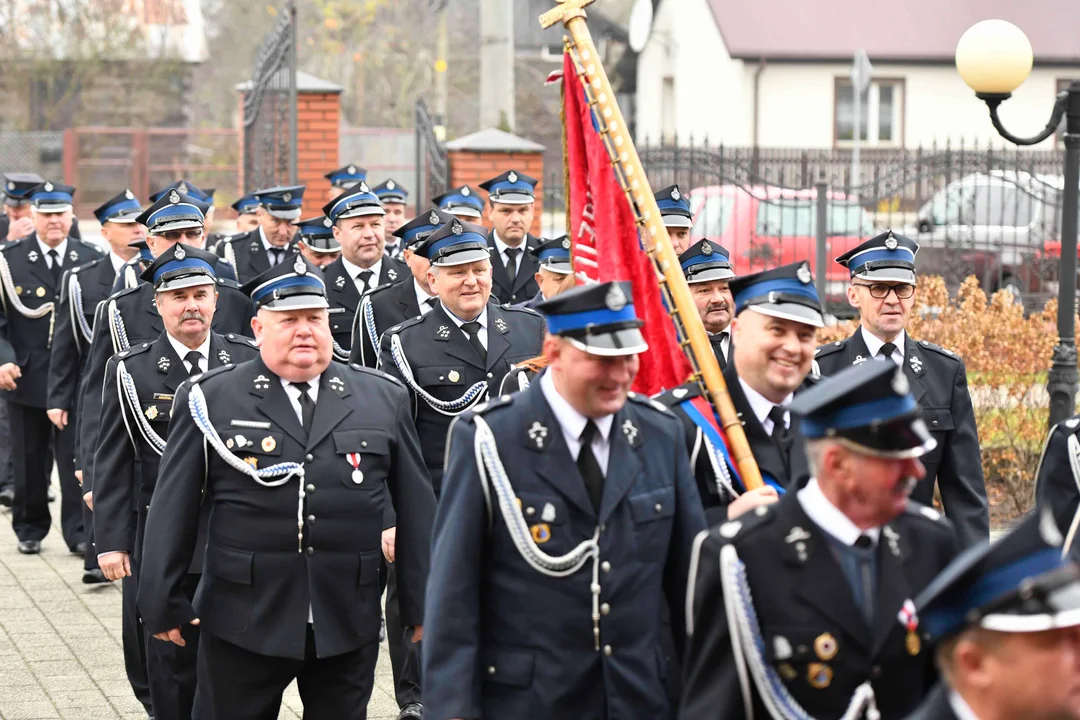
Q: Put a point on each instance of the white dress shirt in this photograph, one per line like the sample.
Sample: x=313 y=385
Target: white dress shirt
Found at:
x=874 y=343
x=502 y=247
x=422 y=298
x=762 y=406
x=960 y=707
x=483 y=334
x=354 y=270
x=828 y=517
x=60 y=249
x=117 y=262
x=268 y=246
x=182 y=350
x=573 y=424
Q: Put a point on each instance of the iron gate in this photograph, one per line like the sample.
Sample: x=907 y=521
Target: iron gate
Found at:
x=432 y=164
x=270 y=109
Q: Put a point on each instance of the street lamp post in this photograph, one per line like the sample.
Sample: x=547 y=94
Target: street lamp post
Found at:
x=994 y=57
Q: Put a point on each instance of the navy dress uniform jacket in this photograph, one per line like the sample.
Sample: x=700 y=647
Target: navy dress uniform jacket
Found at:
x=445 y=365
x=344 y=298
x=1057 y=485
x=125 y=460
x=935 y=707
x=142 y=324
x=246 y=253
x=390 y=305
x=939 y=382
x=799 y=597
x=257 y=585
x=511 y=642
x=26 y=341
x=523 y=286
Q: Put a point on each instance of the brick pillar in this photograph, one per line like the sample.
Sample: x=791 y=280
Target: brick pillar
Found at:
x=481 y=156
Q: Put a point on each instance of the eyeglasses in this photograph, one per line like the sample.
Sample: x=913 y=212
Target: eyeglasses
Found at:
x=880 y=291
x=178 y=235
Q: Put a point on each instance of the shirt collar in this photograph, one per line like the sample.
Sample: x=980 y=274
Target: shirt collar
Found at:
x=760 y=404
x=60 y=249
x=502 y=247
x=459 y=322
x=829 y=518
x=354 y=270
x=960 y=707
x=568 y=418
x=293 y=393
x=117 y=261
x=181 y=350
x=874 y=343
x=422 y=296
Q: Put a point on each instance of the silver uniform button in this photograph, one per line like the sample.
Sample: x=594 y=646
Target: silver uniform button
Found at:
x=605 y=566
x=659 y=507
x=491 y=669
x=309 y=458
x=607 y=650
x=605 y=609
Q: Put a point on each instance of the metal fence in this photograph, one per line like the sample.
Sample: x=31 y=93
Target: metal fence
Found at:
x=992 y=213
x=36 y=152
x=432 y=163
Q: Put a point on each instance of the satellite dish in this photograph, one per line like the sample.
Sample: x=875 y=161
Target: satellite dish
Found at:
x=641 y=18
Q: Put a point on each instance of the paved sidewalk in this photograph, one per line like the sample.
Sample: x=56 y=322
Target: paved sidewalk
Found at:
x=60 y=653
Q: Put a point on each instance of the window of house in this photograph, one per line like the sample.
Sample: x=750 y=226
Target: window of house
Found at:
x=881 y=116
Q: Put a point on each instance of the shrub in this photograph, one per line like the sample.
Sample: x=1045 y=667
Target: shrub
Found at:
x=1007 y=355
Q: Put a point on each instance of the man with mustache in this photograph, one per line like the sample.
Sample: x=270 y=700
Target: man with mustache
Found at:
x=455 y=356
x=273 y=242
x=511 y=198
x=566 y=520
x=796 y=604
x=357 y=216
x=137 y=405
x=293 y=453
x=883 y=289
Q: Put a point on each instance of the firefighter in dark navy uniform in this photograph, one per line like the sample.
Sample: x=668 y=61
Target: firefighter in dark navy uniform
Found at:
x=394 y=196
x=137 y=404
x=274 y=241
x=511 y=198
x=567 y=516
x=883 y=288
x=464 y=202
x=794 y=608
x=295 y=454
x=315 y=238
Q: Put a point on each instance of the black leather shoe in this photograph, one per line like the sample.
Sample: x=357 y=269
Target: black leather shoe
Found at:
x=29 y=547
x=7 y=497
x=94 y=577
x=412 y=711
x=79 y=549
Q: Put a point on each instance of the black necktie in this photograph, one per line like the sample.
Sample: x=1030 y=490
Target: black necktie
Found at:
x=511 y=262
x=54 y=265
x=864 y=547
x=887 y=351
x=589 y=467
x=365 y=277
x=472 y=329
x=307 y=405
x=780 y=433
x=718 y=348
x=275 y=256
x=430 y=302
x=192 y=359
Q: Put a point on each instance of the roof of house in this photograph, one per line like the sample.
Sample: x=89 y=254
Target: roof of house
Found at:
x=914 y=30
x=494 y=140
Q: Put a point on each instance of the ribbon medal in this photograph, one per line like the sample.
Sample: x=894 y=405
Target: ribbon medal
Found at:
x=357 y=473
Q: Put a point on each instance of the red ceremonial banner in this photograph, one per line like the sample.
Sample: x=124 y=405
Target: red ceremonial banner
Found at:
x=605 y=242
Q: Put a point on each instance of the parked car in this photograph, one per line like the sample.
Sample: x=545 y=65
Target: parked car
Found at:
x=998 y=226
x=764 y=226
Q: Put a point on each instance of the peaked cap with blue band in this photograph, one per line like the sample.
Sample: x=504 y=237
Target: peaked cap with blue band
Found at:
x=346 y=177
x=705 y=261
x=511 y=188
x=185 y=188
x=283 y=202
x=17 y=187
x=246 y=205
x=123 y=208
x=355 y=202
x=868 y=405
x=145 y=255
x=1020 y=583
x=786 y=292
x=49 y=197
x=462 y=200
x=885 y=258
x=294 y=284
x=173 y=211
x=599 y=319
x=417 y=230
x=674 y=207
x=455 y=243
x=391 y=192
x=181 y=266
x=318 y=234
x=554 y=255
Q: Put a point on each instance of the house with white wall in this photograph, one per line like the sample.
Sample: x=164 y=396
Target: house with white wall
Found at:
x=776 y=73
